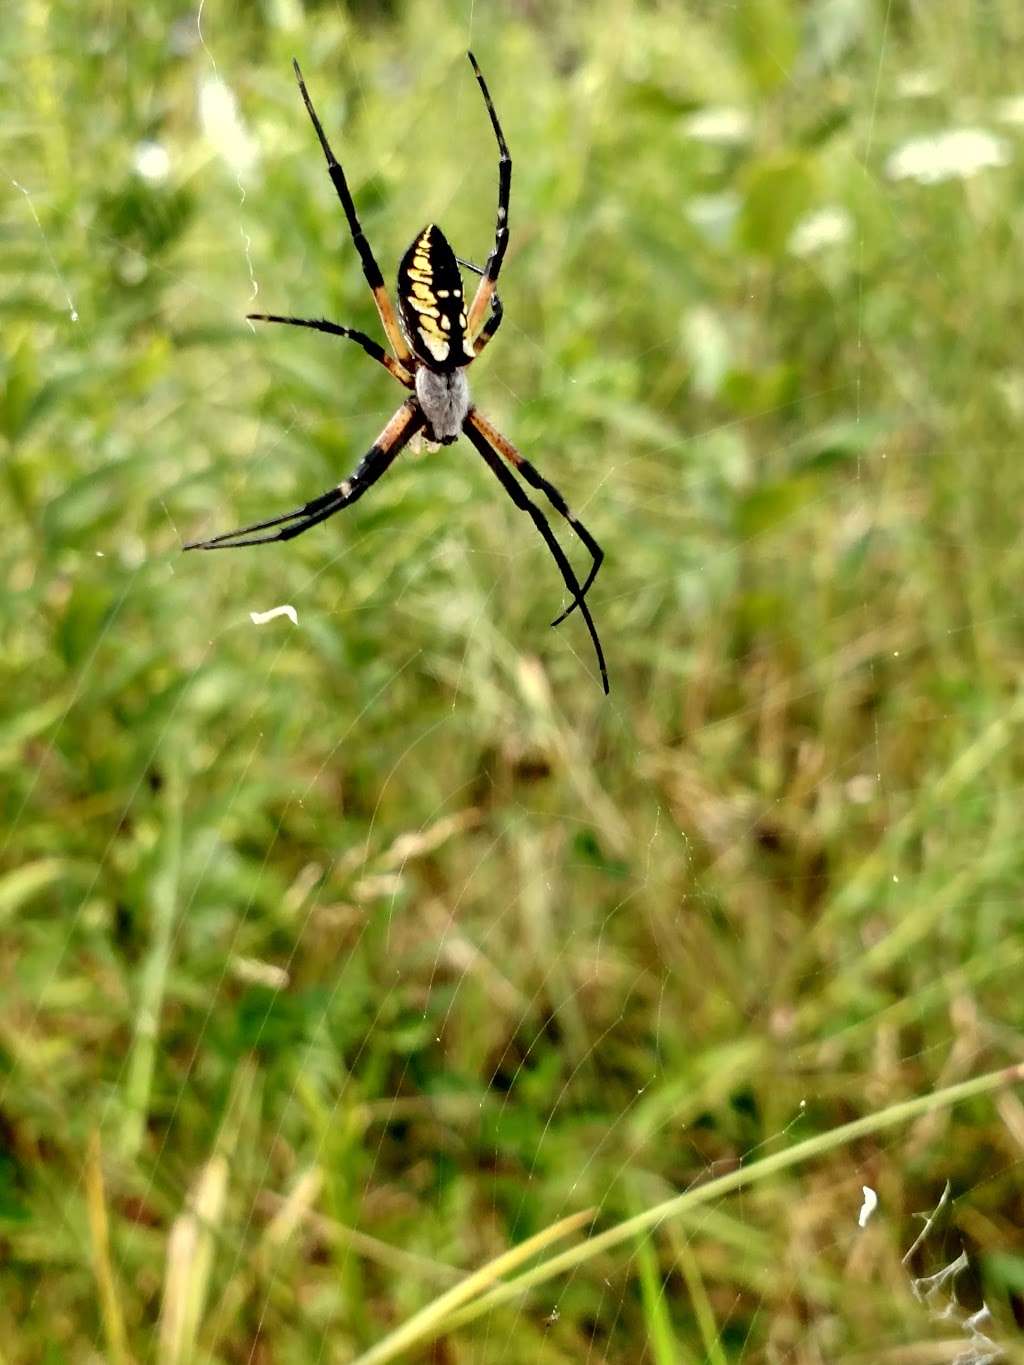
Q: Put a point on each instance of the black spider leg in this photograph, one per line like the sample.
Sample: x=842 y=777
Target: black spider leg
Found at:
x=519 y=497
x=402 y=427
x=334 y=329
x=485 y=289
x=371 y=269
x=536 y=479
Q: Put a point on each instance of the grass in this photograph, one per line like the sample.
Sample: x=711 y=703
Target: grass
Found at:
x=341 y=961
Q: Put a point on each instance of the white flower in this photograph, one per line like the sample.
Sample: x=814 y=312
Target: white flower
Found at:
x=1011 y=111
x=956 y=153
x=824 y=227
x=713 y=214
x=917 y=85
x=706 y=339
x=151 y=161
x=724 y=123
x=223 y=127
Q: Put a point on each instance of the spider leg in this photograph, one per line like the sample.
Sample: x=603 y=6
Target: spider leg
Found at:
x=488 y=281
x=478 y=434
x=371 y=269
x=490 y=326
x=504 y=447
x=404 y=425
x=497 y=311
x=334 y=329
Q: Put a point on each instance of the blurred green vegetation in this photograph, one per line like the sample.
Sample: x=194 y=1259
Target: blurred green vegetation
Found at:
x=337 y=959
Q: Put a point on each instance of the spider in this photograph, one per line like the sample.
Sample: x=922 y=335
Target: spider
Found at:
x=438 y=339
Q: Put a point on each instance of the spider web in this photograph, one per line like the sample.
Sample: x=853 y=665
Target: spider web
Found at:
x=493 y=1009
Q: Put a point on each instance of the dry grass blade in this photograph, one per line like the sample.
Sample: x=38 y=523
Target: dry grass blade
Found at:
x=99 y=1240
x=189 y=1259
x=929 y=1223
x=297 y=1209
x=429 y=1320
x=192 y=1239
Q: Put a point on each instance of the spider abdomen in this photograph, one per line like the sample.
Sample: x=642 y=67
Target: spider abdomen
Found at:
x=431 y=304
x=444 y=398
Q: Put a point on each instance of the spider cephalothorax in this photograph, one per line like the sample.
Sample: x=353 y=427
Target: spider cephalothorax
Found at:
x=444 y=400
x=438 y=338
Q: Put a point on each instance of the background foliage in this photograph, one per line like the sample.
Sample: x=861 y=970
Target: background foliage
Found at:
x=338 y=958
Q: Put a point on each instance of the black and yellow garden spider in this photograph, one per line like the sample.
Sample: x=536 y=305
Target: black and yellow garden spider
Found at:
x=438 y=340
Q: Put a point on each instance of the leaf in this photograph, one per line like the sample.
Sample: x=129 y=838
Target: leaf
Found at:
x=768 y=506
x=1006 y=1270
x=24 y=724
x=767 y=39
x=779 y=191
x=23 y=883
x=18 y=391
x=838 y=443
x=665 y=1348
